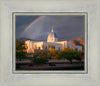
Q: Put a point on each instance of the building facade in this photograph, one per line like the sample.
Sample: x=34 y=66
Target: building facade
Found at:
x=52 y=42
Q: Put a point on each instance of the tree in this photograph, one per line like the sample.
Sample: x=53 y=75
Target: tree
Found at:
x=20 y=50
x=69 y=56
x=81 y=53
x=77 y=56
x=44 y=53
x=40 y=60
x=20 y=45
x=65 y=54
x=61 y=55
x=53 y=52
x=67 y=49
x=21 y=55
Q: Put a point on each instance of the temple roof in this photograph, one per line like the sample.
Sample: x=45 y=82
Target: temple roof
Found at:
x=52 y=34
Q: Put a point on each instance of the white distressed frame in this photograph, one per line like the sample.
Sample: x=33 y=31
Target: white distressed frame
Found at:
x=7 y=78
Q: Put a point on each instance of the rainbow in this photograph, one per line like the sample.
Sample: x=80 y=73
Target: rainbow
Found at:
x=30 y=24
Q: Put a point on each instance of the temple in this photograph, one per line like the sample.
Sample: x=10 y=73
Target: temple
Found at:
x=52 y=42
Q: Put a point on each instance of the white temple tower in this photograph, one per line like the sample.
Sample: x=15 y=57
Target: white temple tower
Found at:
x=52 y=37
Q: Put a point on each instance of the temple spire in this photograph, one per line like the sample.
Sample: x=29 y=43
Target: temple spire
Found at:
x=52 y=29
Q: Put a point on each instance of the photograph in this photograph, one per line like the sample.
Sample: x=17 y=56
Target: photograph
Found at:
x=49 y=42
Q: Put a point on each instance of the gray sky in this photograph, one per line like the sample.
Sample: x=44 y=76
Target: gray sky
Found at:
x=65 y=27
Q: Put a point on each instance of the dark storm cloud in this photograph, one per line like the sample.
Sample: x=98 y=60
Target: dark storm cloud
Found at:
x=66 y=27
x=22 y=22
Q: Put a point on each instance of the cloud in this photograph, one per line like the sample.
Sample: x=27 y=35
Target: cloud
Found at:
x=66 y=27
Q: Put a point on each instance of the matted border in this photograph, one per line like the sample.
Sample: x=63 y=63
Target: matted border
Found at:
x=7 y=78
x=85 y=71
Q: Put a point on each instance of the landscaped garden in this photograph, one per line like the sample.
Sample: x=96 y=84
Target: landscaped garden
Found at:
x=43 y=57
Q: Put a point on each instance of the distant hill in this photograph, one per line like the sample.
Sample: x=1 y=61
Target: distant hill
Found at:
x=24 y=39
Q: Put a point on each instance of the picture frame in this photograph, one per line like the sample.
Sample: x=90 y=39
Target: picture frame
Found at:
x=14 y=14
x=6 y=37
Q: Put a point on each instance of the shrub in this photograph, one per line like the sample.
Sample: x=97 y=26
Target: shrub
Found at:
x=69 y=55
x=61 y=55
x=67 y=49
x=77 y=56
x=52 y=52
x=20 y=46
x=21 y=55
x=40 y=60
x=81 y=53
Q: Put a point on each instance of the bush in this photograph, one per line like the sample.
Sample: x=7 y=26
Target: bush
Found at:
x=61 y=55
x=69 y=55
x=40 y=60
x=67 y=49
x=77 y=56
x=52 y=51
x=81 y=53
x=21 y=55
x=20 y=45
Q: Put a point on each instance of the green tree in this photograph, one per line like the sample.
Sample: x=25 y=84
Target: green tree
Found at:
x=81 y=53
x=20 y=45
x=77 y=56
x=66 y=54
x=20 y=50
x=69 y=56
x=61 y=55
x=40 y=60
x=21 y=55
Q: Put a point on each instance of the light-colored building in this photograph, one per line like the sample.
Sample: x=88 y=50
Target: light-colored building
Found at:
x=52 y=42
